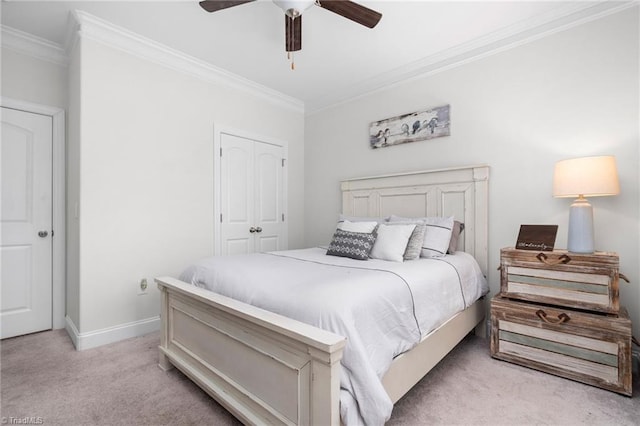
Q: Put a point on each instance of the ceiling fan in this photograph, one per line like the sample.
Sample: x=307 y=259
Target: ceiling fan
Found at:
x=293 y=10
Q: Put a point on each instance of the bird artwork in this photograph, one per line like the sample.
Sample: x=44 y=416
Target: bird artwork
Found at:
x=411 y=127
x=432 y=124
x=374 y=139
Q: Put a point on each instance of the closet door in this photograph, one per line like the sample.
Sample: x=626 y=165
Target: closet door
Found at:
x=236 y=195
x=268 y=187
x=251 y=196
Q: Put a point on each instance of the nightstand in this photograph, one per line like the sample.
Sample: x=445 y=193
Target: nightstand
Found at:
x=559 y=312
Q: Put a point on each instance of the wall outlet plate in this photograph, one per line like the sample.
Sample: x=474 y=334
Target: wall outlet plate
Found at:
x=144 y=285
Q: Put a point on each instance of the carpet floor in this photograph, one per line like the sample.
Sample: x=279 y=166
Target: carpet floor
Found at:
x=45 y=381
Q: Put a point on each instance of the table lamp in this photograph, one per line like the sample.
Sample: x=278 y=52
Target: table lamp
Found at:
x=584 y=177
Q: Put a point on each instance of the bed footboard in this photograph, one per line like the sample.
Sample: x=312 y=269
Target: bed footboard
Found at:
x=261 y=366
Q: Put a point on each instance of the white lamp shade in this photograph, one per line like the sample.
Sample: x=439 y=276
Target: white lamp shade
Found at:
x=586 y=176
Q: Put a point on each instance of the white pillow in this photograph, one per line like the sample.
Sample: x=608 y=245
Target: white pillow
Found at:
x=363 y=227
x=391 y=242
x=436 y=237
x=414 y=246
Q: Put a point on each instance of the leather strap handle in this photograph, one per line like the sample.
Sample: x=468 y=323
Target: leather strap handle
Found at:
x=563 y=259
x=624 y=277
x=562 y=318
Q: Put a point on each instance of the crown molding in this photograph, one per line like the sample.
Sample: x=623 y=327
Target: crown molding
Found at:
x=30 y=45
x=557 y=20
x=84 y=25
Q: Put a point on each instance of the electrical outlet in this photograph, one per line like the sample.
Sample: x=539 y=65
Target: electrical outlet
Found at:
x=143 y=287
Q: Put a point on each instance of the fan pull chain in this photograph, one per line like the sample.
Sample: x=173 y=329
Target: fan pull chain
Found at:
x=290 y=58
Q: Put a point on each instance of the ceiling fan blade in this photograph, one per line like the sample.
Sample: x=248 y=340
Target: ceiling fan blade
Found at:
x=293 y=33
x=354 y=11
x=215 y=5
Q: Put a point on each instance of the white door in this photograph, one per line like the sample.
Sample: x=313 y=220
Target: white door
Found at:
x=268 y=197
x=252 y=197
x=236 y=195
x=26 y=250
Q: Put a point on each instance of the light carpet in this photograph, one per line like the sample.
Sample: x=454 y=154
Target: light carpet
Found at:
x=44 y=380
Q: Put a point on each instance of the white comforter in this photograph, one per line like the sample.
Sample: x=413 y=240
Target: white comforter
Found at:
x=382 y=308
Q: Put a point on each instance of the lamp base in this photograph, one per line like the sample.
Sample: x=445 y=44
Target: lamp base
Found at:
x=580 y=227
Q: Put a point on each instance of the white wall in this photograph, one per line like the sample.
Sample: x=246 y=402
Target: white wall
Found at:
x=33 y=80
x=73 y=189
x=573 y=93
x=140 y=174
x=146 y=178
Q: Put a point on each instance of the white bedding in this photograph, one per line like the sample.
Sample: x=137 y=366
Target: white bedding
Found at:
x=382 y=308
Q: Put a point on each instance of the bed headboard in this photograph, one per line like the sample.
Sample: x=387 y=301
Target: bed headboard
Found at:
x=461 y=192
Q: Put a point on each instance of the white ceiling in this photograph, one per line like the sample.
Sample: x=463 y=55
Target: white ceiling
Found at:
x=339 y=59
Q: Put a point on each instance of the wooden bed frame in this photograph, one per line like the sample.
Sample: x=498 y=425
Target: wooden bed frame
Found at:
x=268 y=369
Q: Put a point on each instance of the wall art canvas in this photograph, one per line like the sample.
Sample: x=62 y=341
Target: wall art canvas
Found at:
x=413 y=127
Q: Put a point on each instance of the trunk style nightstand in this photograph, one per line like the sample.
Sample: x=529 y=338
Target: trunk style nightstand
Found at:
x=559 y=312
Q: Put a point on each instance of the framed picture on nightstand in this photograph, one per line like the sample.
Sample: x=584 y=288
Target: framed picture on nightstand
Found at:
x=537 y=237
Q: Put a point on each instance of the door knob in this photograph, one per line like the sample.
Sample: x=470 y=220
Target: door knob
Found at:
x=42 y=234
x=252 y=229
x=258 y=229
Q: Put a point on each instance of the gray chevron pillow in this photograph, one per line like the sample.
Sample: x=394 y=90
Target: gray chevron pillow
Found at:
x=355 y=245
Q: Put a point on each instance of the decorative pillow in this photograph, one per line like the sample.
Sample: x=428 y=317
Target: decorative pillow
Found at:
x=437 y=236
x=391 y=242
x=414 y=247
x=356 y=245
x=364 y=227
x=458 y=227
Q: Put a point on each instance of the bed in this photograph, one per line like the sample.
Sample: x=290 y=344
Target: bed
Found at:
x=268 y=368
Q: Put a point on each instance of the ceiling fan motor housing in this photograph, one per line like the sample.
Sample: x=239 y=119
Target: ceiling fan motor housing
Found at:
x=294 y=8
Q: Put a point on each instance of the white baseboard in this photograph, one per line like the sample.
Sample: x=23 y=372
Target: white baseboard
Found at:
x=108 y=335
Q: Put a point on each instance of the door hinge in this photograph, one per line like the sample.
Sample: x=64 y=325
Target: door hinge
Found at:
x=283 y=217
x=220 y=217
x=283 y=162
x=52 y=233
x=220 y=152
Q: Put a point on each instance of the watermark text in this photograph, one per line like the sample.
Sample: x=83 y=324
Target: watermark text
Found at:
x=26 y=420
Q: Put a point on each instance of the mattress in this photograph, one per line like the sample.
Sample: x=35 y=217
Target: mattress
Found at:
x=382 y=308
